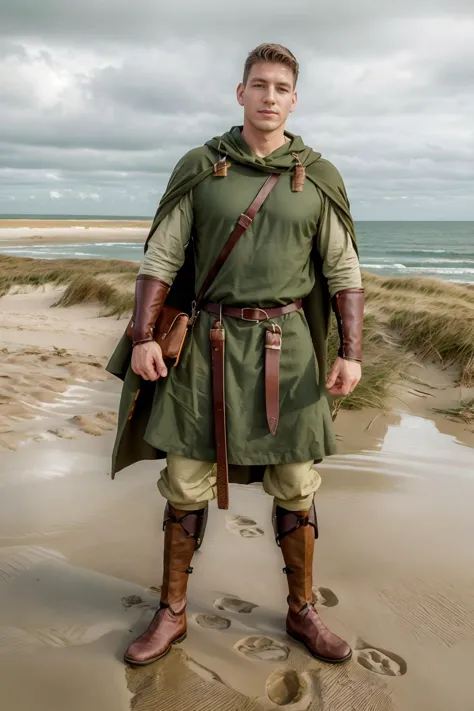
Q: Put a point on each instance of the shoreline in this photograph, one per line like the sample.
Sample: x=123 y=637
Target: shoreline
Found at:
x=40 y=235
x=53 y=232
x=49 y=223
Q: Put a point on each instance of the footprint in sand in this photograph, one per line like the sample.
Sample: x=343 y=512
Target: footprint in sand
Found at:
x=287 y=687
x=263 y=648
x=234 y=604
x=135 y=601
x=243 y=526
x=212 y=622
x=379 y=661
x=131 y=600
x=323 y=597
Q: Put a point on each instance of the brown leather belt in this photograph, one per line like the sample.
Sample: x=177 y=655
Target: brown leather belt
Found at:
x=272 y=377
x=252 y=313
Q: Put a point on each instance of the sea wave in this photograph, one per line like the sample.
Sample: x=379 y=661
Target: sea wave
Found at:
x=448 y=261
x=116 y=244
x=424 y=270
x=430 y=251
x=388 y=265
x=422 y=254
x=409 y=262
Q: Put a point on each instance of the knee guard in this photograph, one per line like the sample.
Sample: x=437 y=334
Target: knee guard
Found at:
x=193 y=523
x=286 y=522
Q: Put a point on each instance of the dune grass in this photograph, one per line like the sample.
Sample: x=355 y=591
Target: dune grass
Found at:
x=405 y=317
x=23 y=271
x=384 y=362
x=117 y=298
x=465 y=412
x=110 y=283
x=431 y=318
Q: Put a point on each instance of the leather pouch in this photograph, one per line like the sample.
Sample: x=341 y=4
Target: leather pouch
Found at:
x=169 y=332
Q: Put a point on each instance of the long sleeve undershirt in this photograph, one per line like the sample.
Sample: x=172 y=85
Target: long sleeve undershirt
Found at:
x=166 y=248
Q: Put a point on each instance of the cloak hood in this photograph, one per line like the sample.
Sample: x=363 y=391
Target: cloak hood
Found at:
x=281 y=160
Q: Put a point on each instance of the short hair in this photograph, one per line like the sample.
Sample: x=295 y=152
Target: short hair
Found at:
x=271 y=53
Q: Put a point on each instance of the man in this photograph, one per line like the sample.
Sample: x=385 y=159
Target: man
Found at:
x=300 y=246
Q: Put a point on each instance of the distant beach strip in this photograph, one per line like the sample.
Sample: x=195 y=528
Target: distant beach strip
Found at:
x=443 y=250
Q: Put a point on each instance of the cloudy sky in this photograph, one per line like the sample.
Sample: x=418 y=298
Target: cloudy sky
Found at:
x=100 y=98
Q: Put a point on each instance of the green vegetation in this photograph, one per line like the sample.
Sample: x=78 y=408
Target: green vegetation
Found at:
x=464 y=413
x=111 y=283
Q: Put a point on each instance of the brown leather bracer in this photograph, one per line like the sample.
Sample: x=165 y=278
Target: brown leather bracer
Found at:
x=150 y=296
x=348 y=306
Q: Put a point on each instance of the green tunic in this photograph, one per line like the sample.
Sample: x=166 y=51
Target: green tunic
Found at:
x=275 y=262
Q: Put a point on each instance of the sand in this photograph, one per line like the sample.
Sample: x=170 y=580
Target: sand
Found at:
x=39 y=232
x=80 y=555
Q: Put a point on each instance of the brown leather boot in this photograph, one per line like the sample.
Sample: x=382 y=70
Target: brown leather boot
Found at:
x=295 y=533
x=184 y=531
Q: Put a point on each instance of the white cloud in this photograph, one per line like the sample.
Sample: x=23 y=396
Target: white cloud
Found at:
x=107 y=108
x=89 y=196
x=54 y=195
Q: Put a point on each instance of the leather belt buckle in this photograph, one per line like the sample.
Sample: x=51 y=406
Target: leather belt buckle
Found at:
x=244 y=221
x=251 y=308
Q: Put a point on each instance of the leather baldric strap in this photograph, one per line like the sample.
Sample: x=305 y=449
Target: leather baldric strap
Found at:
x=243 y=223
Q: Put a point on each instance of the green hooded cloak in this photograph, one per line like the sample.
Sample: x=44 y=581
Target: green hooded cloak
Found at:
x=149 y=408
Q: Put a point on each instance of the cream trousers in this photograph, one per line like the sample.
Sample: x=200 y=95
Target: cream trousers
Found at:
x=189 y=484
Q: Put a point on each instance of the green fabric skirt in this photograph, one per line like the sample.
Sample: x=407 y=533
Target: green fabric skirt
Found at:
x=182 y=420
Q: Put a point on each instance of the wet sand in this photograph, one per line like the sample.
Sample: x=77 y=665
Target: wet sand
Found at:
x=80 y=563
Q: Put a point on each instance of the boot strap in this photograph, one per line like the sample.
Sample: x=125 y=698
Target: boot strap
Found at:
x=167 y=606
x=287 y=522
x=193 y=523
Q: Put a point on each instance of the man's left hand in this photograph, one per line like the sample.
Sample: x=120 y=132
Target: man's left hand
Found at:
x=344 y=376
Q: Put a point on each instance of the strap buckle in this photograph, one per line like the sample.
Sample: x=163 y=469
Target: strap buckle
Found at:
x=244 y=220
x=275 y=328
x=194 y=314
x=250 y=308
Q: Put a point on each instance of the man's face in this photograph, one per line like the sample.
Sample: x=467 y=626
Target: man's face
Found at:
x=268 y=97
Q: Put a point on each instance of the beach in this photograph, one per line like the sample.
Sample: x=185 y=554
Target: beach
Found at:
x=442 y=250
x=80 y=555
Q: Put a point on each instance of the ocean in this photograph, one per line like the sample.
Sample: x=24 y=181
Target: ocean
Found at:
x=444 y=250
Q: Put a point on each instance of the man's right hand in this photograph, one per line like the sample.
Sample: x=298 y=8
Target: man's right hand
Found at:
x=147 y=361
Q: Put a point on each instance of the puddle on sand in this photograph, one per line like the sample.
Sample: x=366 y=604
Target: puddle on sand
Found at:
x=412 y=448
